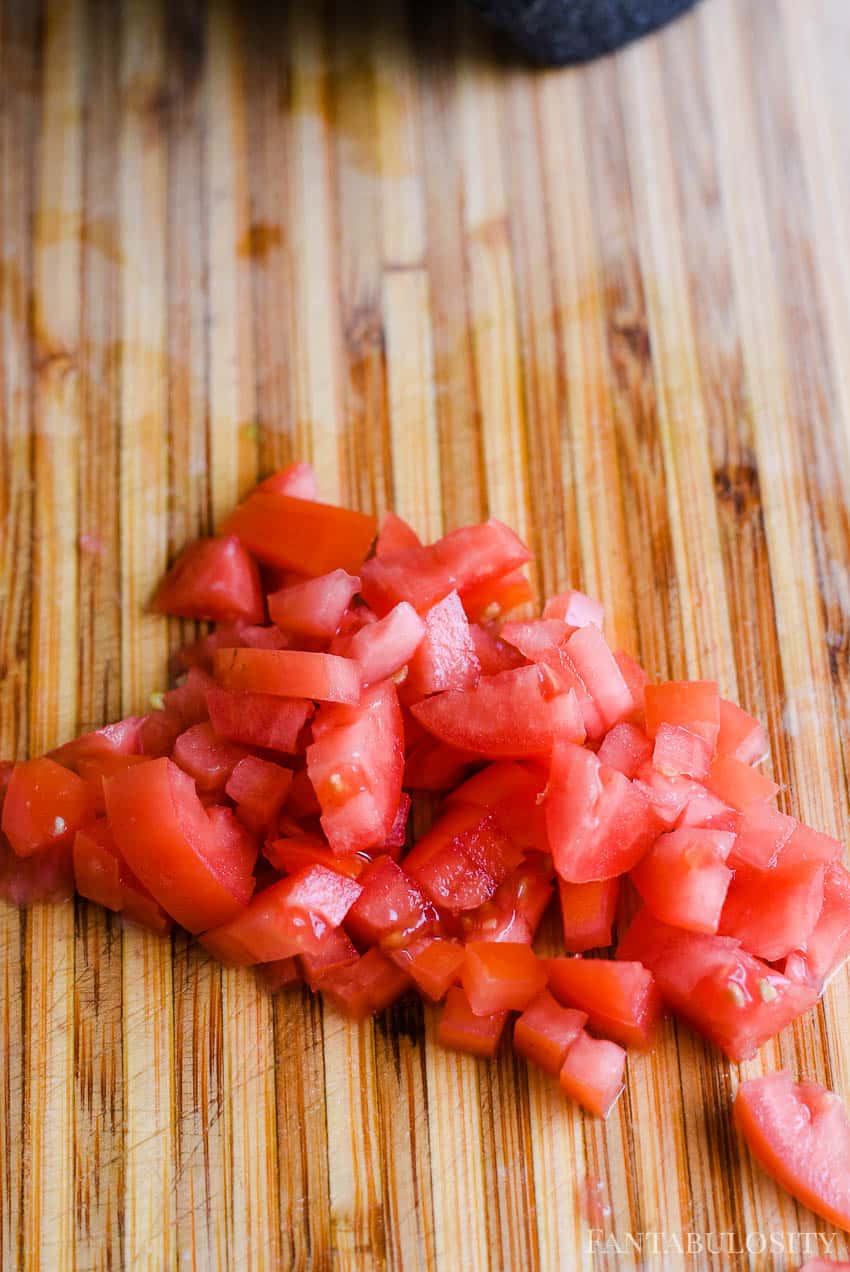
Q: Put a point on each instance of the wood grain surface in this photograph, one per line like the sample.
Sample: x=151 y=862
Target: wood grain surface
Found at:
x=609 y=305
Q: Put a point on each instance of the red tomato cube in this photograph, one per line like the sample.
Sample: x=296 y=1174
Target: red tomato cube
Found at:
x=740 y=736
x=772 y=912
x=382 y=648
x=625 y=748
x=290 y=673
x=737 y=784
x=496 y=597
x=281 y=973
x=462 y=859
x=102 y=876
x=258 y=788
x=494 y=654
x=621 y=999
x=335 y=952
x=299 y=534
x=445 y=657
x=575 y=609
x=298 y=480
x=214 y=579
x=391 y=909
x=370 y=985
x=258 y=719
x=314 y=607
x=501 y=976
x=515 y=910
x=433 y=766
x=45 y=804
x=47 y=875
x=684 y=879
x=587 y=913
x=828 y=944
x=296 y=852
x=461 y=1030
x=694 y=704
x=206 y=757
x=544 y=641
x=596 y=665
x=395 y=536
x=680 y=752
x=433 y=964
x=545 y=1032
x=592 y=1074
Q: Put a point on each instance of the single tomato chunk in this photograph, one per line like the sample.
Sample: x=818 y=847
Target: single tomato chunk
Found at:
x=258 y=719
x=383 y=648
x=102 y=876
x=434 y=766
x=280 y=973
x=684 y=880
x=494 y=654
x=621 y=999
x=300 y=534
x=827 y=946
x=737 y=784
x=314 y=607
x=516 y=908
x=391 y=910
x=214 y=579
x=592 y=1074
x=462 y=859
x=740 y=736
x=370 y=985
x=295 y=852
x=336 y=952
x=693 y=704
x=355 y=764
x=47 y=875
x=395 y=536
x=513 y=791
x=545 y=1031
x=162 y=831
x=513 y=714
x=259 y=789
x=432 y=963
x=800 y=1134
x=501 y=976
x=599 y=823
x=575 y=609
x=772 y=912
x=461 y=1030
x=763 y=832
x=293 y=916
x=587 y=913
x=206 y=757
x=496 y=597
x=445 y=657
x=44 y=806
x=289 y=673
x=298 y=480
x=681 y=752
x=592 y=658
x=625 y=748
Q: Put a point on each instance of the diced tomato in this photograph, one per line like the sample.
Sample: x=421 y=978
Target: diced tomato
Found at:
x=258 y=719
x=731 y=997
x=599 y=823
x=200 y=653
x=300 y=534
x=515 y=909
x=496 y=597
x=446 y=657
x=290 y=673
x=258 y=788
x=621 y=999
x=214 y=579
x=301 y=802
x=395 y=536
x=680 y=752
x=544 y=641
x=808 y=845
x=433 y=766
x=501 y=976
x=463 y=559
x=369 y=985
x=336 y=952
x=315 y=607
x=587 y=913
x=298 y=480
x=187 y=703
x=206 y=757
x=575 y=609
x=102 y=876
x=512 y=790
x=461 y=1030
x=592 y=658
x=669 y=797
x=397 y=838
x=762 y=834
x=44 y=806
x=382 y=648
x=293 y=916
x=740 y=736
x=625 y=748
x=684 y=879
x=513 y=714
x=281 y=973
x=355 y=763
x=800 y=1134
x=702 y=809
x=432 y=963
x=694 y=704
x=737 y=784
x=391 y=909
x=592 y=1074
x=121 y=738
x=294 y=852
x=462 y=859
x=163 y=833
x=47 y=875
x=772 y=912
x=545 y=1032
x=828 y=944
x=494 y=654
x=635 y=677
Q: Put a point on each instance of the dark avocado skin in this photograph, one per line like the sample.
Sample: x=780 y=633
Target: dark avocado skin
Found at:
x=554 y=32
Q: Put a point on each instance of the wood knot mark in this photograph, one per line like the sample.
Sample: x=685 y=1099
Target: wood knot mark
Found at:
x=738 y=487
x=629 y=333
x=259 y=239
x=364 y=331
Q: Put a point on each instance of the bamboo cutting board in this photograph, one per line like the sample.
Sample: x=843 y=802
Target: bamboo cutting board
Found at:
x=610 y=306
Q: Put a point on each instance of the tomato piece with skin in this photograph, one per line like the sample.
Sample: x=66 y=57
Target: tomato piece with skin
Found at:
x=314 y=607
x=706 y=811
x=636 y=678
x=102 y=876
x=668 y=796
x=592 y=658
x=44 y=806
x=460 y=1029
x=772 y=912
x=432 y=963
x=516 y=908
x=496 y=597
x=588 y=911
x=164 y=834
x=512 y=791
x=501 y=976
x=494 y=654
x=625 y=748
x=395 y=536
x=356 y=763
x=258 y=719
x=47 y=875
x=828 y=945
x=259 y=789
x=681 y=752
x=575 y=609
x=621 y=999
x=336 y=952
x=301 y=534
x=279 y=974
x=382 y=648
x=391 y=910
x=511 y=715
x=121 y=738
x=737 y=784
x=215 y=579
x=289 y=673
x=298 y=480
x=462 y=859
x=295 y=852
x=433 y=766
x=445 y=657
x=729 y=996
x=684 y=879
x=693 y=704
x=545 y=1031
x=544 y=641
x=293 y=916
x=740 y=735
x=462 y=559
x=206 y=757
x=599 y=823
x=806 y=845
x=592 y=1074
x=370 y=985
x=800 y=1134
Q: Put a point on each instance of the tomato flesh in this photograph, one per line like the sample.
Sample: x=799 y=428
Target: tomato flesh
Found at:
x=772 y=912
x=684 y=880
x=258 y=719
x=625 y=748
x=592 y=1073
x=692 y=704
x=300 y=534
x=206 y=757
x=501 y=976
x=432 y=963
x=496 y=597
x=289 y=673
x=382 y=648
x=391 y=909
x=258 y=788
x=545 y=1032
x=314 y=607
x=587 y=913
x=828 y=944
x=44 y=806
x=370 y=985
x=298 y=480
x=214 y=579
x=445 y=657
x=460 y=1029
x=462 y=859
x=395 y=536
x=102 y=876
x=740 y=736
x=621 y=998
x=737 y=784
x=575 y=609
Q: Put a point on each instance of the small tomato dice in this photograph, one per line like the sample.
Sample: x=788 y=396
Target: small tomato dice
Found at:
x=592 y=1074
x=587 y=913
x=545 y=1031
x=621 y=999
x=45 y=805
x=214 y=579
x=501 y=976
x=460 y=1029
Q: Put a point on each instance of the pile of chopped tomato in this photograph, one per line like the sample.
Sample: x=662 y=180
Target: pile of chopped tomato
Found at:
x=265 y=804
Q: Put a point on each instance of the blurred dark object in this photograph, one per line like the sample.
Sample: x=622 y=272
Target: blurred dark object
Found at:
x=553 y=32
